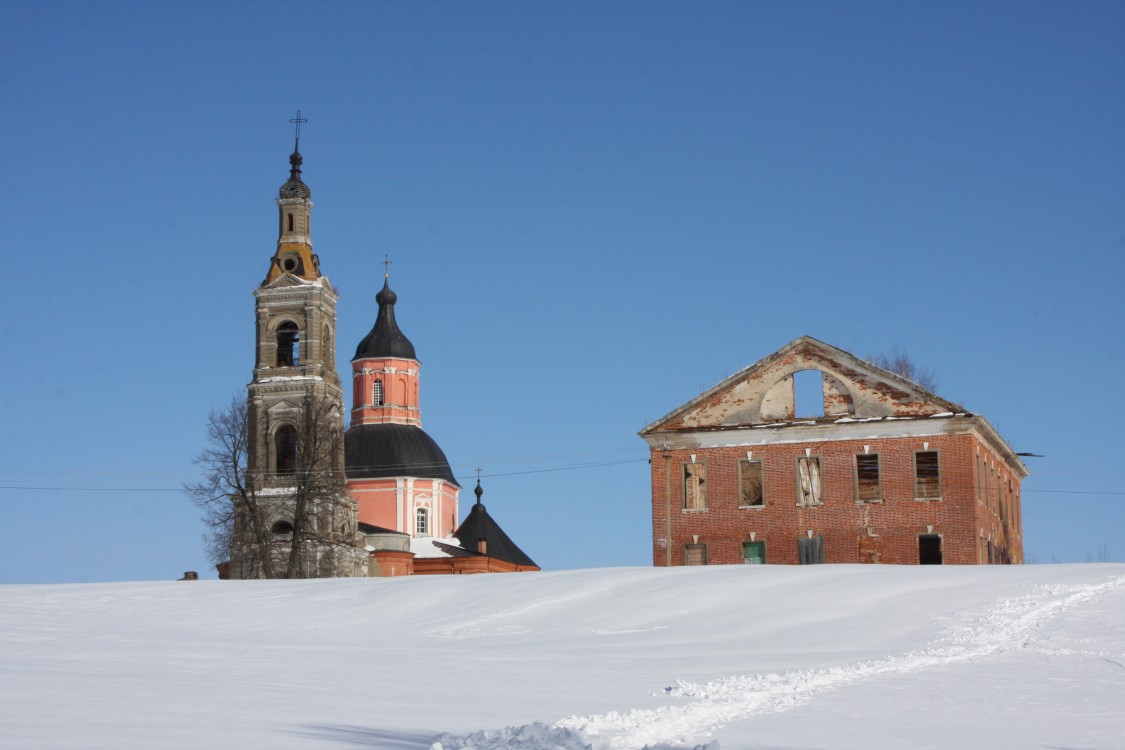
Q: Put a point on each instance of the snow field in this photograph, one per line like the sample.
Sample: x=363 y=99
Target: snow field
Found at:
x=742 y=657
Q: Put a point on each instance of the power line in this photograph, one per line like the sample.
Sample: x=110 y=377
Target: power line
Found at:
x=574 y=467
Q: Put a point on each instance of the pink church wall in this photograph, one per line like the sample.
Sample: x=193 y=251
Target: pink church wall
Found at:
x=380 y=503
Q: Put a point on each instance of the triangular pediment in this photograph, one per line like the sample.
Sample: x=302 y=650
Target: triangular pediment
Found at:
x=285 y=281
x=763 y=392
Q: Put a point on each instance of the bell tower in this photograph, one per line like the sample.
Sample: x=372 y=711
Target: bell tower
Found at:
x=295 y=410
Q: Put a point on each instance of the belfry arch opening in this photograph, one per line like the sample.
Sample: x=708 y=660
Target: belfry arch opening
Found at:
x=288 y=344
x=285 y=442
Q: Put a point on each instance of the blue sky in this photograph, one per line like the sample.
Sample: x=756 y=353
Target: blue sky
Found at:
x=594 y=212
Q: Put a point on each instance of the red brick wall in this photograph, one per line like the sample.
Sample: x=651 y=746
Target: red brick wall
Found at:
x=853 y=532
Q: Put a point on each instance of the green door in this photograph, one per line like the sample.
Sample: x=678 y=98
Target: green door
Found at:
x=754 y=553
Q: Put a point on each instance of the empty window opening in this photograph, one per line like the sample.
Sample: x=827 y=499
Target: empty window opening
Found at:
x=286 y=442
x=288 y=345
x=290 y=222
x=695 y=554
x=867 y=482
x=809 y=486
x=929 y=549
x=377 y=393
x=808 y=393
x=754 y=553
x=421 y=522
x=810 y=551
x=282 y=528
x=695 y=486
x=927 y=475
x=750 y=484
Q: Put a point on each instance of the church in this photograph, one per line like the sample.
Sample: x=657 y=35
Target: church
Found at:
x=378 y=499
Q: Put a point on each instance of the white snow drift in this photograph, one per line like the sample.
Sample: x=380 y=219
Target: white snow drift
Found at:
x=737 y=657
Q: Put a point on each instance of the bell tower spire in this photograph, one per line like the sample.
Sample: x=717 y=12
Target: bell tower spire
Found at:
x=294 y=226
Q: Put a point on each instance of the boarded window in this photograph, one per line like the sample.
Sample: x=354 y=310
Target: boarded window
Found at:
x=867 y=477
x=927 y=475
x=810 y=551
x=750 y=483
x=754 y=553
x=695 y=486
x=808 y=481
x=695 y=554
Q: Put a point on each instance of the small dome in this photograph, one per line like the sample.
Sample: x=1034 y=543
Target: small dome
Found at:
x=294 y=187
x=385 y=339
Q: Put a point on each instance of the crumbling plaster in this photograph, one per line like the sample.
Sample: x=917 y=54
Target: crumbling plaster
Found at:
x=763 y=392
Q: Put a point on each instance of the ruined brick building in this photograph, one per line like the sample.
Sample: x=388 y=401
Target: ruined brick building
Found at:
x=884 y=472
x=381 y=498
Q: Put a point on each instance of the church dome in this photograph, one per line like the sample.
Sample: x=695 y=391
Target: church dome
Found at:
x=374 y=451
x=385 y=338
x=294 y=187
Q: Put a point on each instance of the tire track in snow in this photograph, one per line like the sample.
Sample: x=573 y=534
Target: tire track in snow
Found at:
x=1009 y=625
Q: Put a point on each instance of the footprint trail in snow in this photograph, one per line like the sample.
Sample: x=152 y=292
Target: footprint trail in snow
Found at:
x=710 y=706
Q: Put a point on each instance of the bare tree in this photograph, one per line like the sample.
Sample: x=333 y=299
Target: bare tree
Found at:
x=900 y=363
x=294 y=523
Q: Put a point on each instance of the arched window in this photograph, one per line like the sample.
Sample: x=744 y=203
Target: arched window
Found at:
x=282 y=528
x=288 y=344
x=377 y=393
x=285 y=440
x=421 y=522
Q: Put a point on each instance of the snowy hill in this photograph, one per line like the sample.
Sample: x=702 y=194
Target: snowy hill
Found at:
x=741 y=657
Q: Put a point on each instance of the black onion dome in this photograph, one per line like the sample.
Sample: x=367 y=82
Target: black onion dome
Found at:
x=385 y=339
x=373 y=451
x=480 y=526
x=294 y=187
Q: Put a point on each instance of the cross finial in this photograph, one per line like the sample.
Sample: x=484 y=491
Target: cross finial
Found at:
x=478 y=475
x=387 y=266
x=297 y=122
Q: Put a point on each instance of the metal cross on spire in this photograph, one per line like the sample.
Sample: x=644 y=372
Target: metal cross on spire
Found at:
x=297 y=122
x=387 y=266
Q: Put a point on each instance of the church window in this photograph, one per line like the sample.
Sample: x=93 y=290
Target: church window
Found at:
x=695 y=486
x=867 y=487
x=750 y=484
x=290 y=222
x=288 y=345
x=809 y=485
x=421 y=522
x=282 y=528
x=377 y=393
x=285 y=441
x=927 y=476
